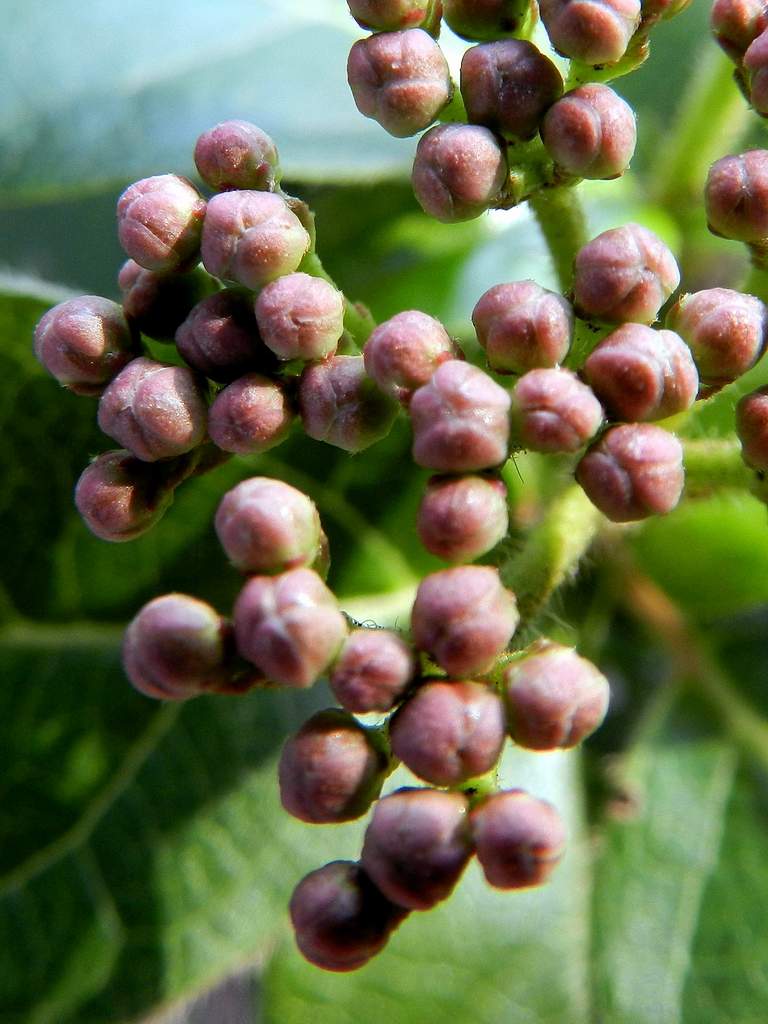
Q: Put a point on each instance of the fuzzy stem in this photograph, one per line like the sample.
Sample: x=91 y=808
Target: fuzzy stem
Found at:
x=714 y=465
x=562 y=222
x=552 y=551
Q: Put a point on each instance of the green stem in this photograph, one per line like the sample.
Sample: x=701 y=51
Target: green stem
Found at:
x=757 y=279
x=714 y=465
x=454 y=112
x=552 y=551
x=582 y=74
x=711 y=116
x=562 y=222
x=586 y=336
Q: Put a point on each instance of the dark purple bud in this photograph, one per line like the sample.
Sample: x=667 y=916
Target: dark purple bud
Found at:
x=373 y=671
x=332 y=769
x=553 y=411
x=340 y=918
x=159 y=221
x=736 y=196
x=590 y=132
x=85 y=342
x=417 y=845
x=756 y=71
x=484 y=20
x=156 y=411
x=252 y=238
x=554 y=697
x=403 y=352
x=592 y=31
x=342 y=406
x=220 y=338
x=177 y=647
x=522 y=326
x=159 y=303
x=250 y=415
x=267 y=526
x=459 y=171
x=508 y=85
x=635 y=470
x=626 y=273
x=519 y=839
x=237 y=155
x=300 y=317
x=120 y=497
x=460 y=420
x=464 y=618
x=400 y=79
x=752 y=428
x=736 y=23
x=642 y=374
x=289 y=626
x=449 y=732
x=462 y=518
x=725 y=330
x=390 y=15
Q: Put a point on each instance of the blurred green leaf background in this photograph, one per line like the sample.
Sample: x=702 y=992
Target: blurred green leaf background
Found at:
x=143 y=855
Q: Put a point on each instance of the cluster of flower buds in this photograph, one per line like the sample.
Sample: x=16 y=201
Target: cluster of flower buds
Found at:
x=509 y=93
x=258 y=341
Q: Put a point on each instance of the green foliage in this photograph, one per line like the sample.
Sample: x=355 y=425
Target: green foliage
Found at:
x=143 y=853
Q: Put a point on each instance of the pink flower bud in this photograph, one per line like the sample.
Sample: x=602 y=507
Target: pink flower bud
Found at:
x=220 y=338
x=519 y=839
x=250 y=415
x=485 y=20
x=736 y=23
x=237 y=155
x=756 y=70
x=340 y=405
x=159 y=221
x=553 y=411
x=300 y=317
x=373 y=671
x=736 y=196
x=389 y=15
x=462 y=518
x=522 y=326
x=593 y=31
x=159 y=303
x=459 y=171
x=590 y=132
x=403 y=352
x=752 y=428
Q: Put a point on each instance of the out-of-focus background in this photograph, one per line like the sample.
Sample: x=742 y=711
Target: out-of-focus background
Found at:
x=145 y=865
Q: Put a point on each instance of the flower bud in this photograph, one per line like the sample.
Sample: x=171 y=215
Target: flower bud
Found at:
x=553 y=411
x=300 y=317
x=626 y=273
x=237 y=155
x=464 y=618
x=518 y=839
x=752 y=428
x=389 y=15
x=340 y=405
x=725 y=330
x=484 y=20
x=250 y=415
x=177 y=647
x=642 y=374
x=460 y=420
x=736 y=23
x=448 y=732
x=252 y=237
x=156 y=411
x=590 y=132
x=462 y=518
x=331 y=770
x=522 y=326
x=159 y=303
x=592 y=31
x=736 y=196
x=373 y=671
x=403 y=352
x=289 y=626
x=159 y=221
x=417 y=845
x=220 y=338
x=756 y=72
x=554 y=698
x=120 y=497
x=267 y=526
x=459 y=171
x=85 y=342
x=508 y=85
x=635 y=470
x=400 y=79
x=340 y=918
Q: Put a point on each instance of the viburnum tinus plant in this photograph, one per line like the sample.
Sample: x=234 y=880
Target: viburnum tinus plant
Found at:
x=405 y=557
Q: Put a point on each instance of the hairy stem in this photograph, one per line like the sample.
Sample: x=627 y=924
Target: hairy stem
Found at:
x=561 y=218
x=713 y=465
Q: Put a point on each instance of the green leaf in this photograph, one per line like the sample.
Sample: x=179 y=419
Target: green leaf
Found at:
x=153 y=77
